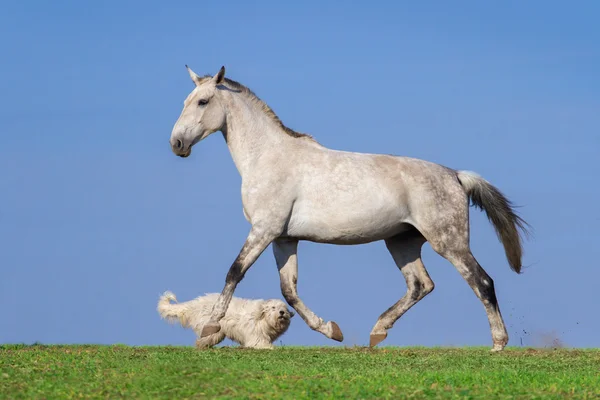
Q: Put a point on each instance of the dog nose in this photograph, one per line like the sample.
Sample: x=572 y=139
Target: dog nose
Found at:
x=282 y=313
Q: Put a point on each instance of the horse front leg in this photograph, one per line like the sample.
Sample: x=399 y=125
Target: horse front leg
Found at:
x=285 y=252
x=257 y=241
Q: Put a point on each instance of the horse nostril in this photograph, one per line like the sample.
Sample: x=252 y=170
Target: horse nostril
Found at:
x=179 y=144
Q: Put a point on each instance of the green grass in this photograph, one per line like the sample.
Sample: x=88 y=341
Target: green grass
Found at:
x=53 y=372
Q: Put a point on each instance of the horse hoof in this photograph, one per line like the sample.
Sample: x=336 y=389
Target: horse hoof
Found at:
x=210 y=329
x=336 y=332
x=377 y=338
x=200 y=346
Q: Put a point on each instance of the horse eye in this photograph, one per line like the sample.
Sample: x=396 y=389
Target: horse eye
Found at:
x=202 y=102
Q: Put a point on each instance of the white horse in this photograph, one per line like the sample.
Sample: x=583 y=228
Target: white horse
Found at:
x=295 y=189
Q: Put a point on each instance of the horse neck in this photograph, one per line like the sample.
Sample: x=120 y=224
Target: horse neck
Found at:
x=251 y=134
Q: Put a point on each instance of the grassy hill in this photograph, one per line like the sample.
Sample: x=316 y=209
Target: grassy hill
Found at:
x=65 y=372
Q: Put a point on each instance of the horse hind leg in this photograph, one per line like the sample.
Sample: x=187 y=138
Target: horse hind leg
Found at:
x=483 y=286
x=210 y=341
x=406 y=252
x=455 y=248
x=285 y=252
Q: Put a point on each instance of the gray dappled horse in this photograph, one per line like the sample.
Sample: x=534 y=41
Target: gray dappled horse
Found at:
x=293 y=189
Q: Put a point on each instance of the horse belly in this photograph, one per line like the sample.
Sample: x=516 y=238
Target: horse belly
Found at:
x=346 y=224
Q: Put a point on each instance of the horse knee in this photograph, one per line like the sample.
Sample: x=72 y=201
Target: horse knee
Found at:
x=420 y=288
x=289 y=294
x=428 y=287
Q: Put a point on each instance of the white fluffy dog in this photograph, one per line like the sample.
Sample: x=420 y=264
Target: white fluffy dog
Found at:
x=251 y=323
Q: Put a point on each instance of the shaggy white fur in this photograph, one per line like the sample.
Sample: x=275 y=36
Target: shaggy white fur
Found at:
x=253 y=323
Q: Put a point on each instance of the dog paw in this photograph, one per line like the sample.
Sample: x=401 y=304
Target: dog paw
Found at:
x=265 y=347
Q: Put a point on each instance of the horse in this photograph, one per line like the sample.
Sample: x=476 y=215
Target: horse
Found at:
x=293 y=188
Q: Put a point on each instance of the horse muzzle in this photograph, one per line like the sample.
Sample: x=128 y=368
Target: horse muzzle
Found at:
x=180 y=149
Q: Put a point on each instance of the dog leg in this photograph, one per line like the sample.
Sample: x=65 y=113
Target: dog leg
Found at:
x=264 y=346
x=257 y=344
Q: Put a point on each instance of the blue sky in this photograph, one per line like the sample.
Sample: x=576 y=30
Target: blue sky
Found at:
x=90 y=192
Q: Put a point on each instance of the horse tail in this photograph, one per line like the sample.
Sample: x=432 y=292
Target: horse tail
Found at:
x=500 y=212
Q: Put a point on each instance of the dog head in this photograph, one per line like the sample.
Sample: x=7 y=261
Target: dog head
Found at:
x=277 y=314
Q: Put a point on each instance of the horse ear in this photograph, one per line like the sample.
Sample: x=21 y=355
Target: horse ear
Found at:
x=218 y=78
x=195 y=78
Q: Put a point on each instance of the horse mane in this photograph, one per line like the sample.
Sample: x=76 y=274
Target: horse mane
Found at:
x=264 y=107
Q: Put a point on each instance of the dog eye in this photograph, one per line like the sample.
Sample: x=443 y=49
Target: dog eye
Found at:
x=202 y=102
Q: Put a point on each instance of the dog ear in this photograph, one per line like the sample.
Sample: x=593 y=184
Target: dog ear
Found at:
x=261 y=313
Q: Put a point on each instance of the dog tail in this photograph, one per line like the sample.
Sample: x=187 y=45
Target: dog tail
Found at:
x=169 y=311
